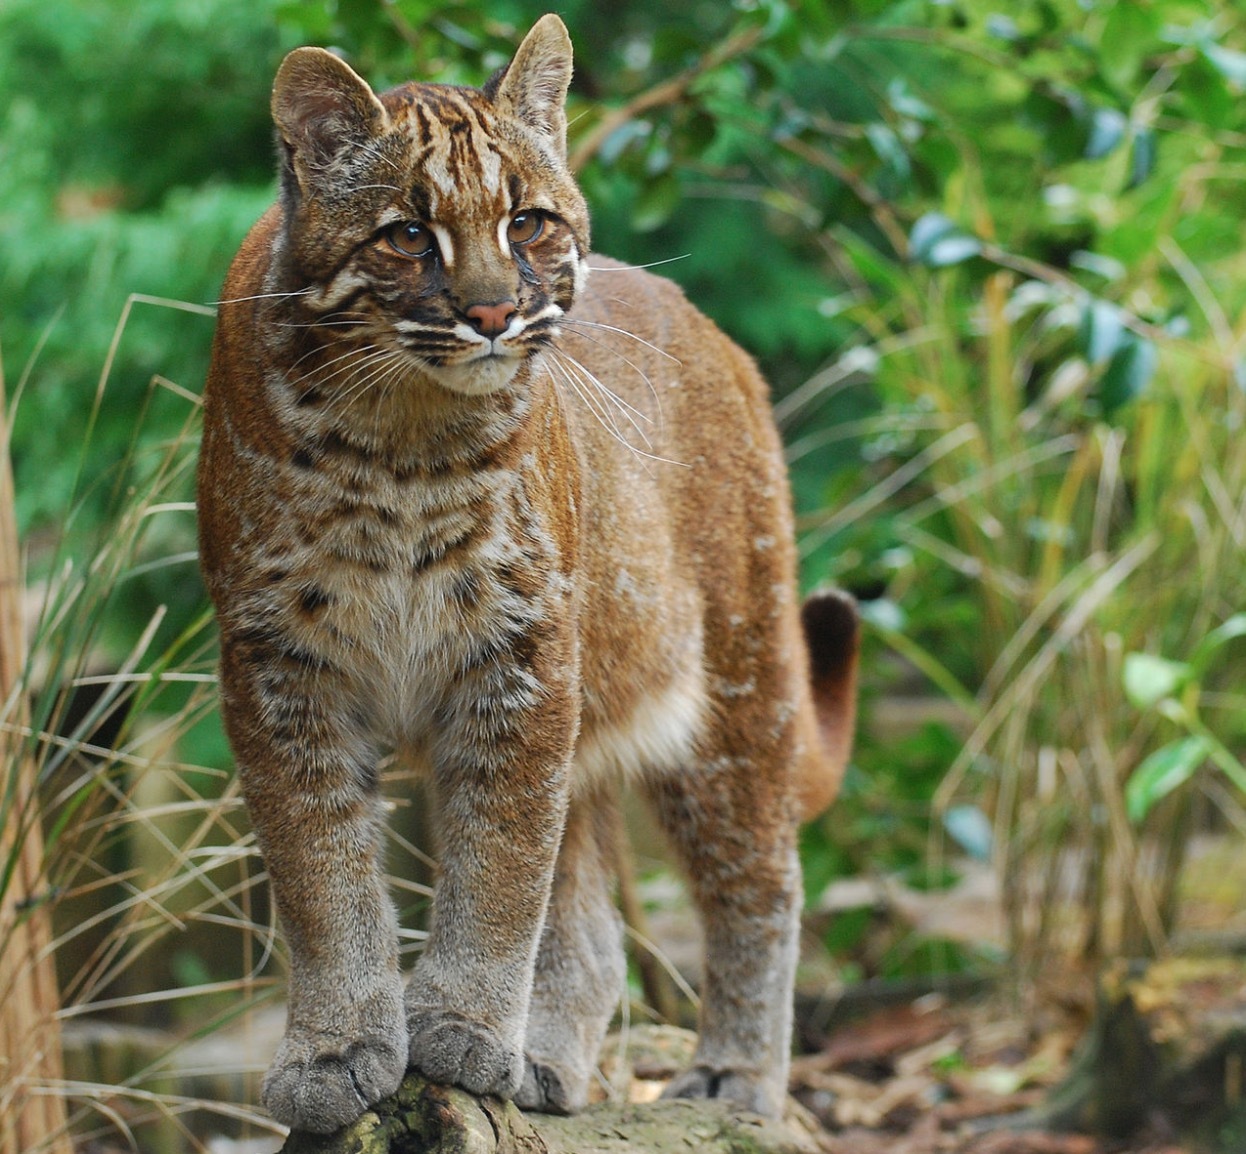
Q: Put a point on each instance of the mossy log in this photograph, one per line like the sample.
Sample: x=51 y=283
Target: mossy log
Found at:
x=430 y=1119
x=1168 y=1042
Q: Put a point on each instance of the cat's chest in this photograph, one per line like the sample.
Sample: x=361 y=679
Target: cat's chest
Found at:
x=403 y=582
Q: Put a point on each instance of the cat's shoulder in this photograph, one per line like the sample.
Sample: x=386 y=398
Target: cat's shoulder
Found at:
x=615 y=291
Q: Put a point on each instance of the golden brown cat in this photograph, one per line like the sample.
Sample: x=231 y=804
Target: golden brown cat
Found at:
x=521 y=515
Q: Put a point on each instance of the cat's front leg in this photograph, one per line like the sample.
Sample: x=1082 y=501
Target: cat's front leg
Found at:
x=310 y=782
x=501 y=763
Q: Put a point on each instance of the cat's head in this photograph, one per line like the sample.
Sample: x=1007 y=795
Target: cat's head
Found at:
x=441 y=223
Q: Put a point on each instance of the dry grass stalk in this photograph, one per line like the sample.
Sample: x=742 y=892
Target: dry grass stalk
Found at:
x=30 y=1044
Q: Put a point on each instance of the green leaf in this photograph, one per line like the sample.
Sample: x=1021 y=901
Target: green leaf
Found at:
x=1128 y=373
x=1228 y=62
x=1107 y=130
x=1225 y=632
x=1149 y=679
x=874 y=267
x=970 y=828
x=1142 y=159
x=658 y=199
x=1130 y=35
x=1162 y=772
x=888 y=149
x=1103 y=327
x=1205 y=94
x=937 y=242
x=622 y=138
x=1060 y=121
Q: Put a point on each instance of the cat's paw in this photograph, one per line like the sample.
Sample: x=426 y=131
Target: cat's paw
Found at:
x=320 y=1083
x=454 y=1050
x=550 y=1089
x=745 y=1088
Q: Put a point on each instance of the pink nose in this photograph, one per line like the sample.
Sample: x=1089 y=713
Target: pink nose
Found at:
x=490 y=320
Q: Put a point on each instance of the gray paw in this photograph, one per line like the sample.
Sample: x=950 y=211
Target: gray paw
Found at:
x=322 y=1082
x=548 y=1090
x=746 y=1088
x=456 y=1051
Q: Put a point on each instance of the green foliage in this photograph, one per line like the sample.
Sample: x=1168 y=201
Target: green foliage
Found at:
x=1172 y=689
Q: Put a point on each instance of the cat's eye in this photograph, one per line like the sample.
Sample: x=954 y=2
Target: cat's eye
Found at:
x=525 y=227
x=411 y=238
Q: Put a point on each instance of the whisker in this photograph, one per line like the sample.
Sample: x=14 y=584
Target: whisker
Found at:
x=369 y=149
x=362 y=364
x=622 y=403
x=359 y=387
x=390 y=378
x=631 y=365
x=317 y=324
x=596 y=405
x=347 y=355
x=364 y=375
x=634 y=267
x=592 y=403
x=573 y=322
x=265 y=296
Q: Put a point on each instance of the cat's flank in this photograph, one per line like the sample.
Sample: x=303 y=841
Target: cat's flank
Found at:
x=519 y=514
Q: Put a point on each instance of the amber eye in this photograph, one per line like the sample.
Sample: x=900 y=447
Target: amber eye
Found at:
x=525 y=227
x=410 y=238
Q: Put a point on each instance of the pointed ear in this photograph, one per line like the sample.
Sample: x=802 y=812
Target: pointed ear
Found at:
x=321 y=106
x=534 y=85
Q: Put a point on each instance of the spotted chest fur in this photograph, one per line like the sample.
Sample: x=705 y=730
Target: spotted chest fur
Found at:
x=528 y=525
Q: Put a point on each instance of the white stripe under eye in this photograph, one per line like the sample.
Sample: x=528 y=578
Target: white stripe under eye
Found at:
x=444 y=244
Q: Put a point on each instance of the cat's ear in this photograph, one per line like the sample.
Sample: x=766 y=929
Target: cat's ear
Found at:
x=321 y=106
x=534 y=85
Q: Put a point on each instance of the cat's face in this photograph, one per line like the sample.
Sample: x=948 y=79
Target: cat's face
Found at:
x=436 y=224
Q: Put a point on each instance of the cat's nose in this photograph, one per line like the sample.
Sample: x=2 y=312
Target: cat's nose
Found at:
x=491 y=320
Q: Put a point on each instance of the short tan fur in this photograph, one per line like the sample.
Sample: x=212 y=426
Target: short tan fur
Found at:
x=520 y=515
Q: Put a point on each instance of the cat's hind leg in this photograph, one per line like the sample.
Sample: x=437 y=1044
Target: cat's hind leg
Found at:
x=731 y=819
x=580 y=967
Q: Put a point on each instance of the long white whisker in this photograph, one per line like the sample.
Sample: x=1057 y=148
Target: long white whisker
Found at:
x=365 y=375
x=361 y=361
x=359 y=387
x=634 y=267
x=372 y=151
x=591 y=402
x=264 y=297
x=631 y=365
x=573 y=322
x=321 y=324
x=391 y=377
x=589 y=377
x=359 y=351
x=595 y=406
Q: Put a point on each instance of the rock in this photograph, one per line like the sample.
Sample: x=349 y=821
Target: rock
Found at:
x=430 y=1119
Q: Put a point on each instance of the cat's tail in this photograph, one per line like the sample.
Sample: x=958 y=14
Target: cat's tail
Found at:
x=832 y=634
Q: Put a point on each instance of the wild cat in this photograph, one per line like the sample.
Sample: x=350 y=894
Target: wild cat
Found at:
x=471 y=494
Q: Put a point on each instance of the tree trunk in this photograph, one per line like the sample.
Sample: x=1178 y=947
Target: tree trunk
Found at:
x=32 y=1109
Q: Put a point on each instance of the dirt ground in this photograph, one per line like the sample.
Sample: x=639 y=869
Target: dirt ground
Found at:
x=941 y=1074
x=932 y=1077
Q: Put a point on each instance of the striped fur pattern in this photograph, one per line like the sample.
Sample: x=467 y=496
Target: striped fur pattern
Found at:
x=518 y=514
